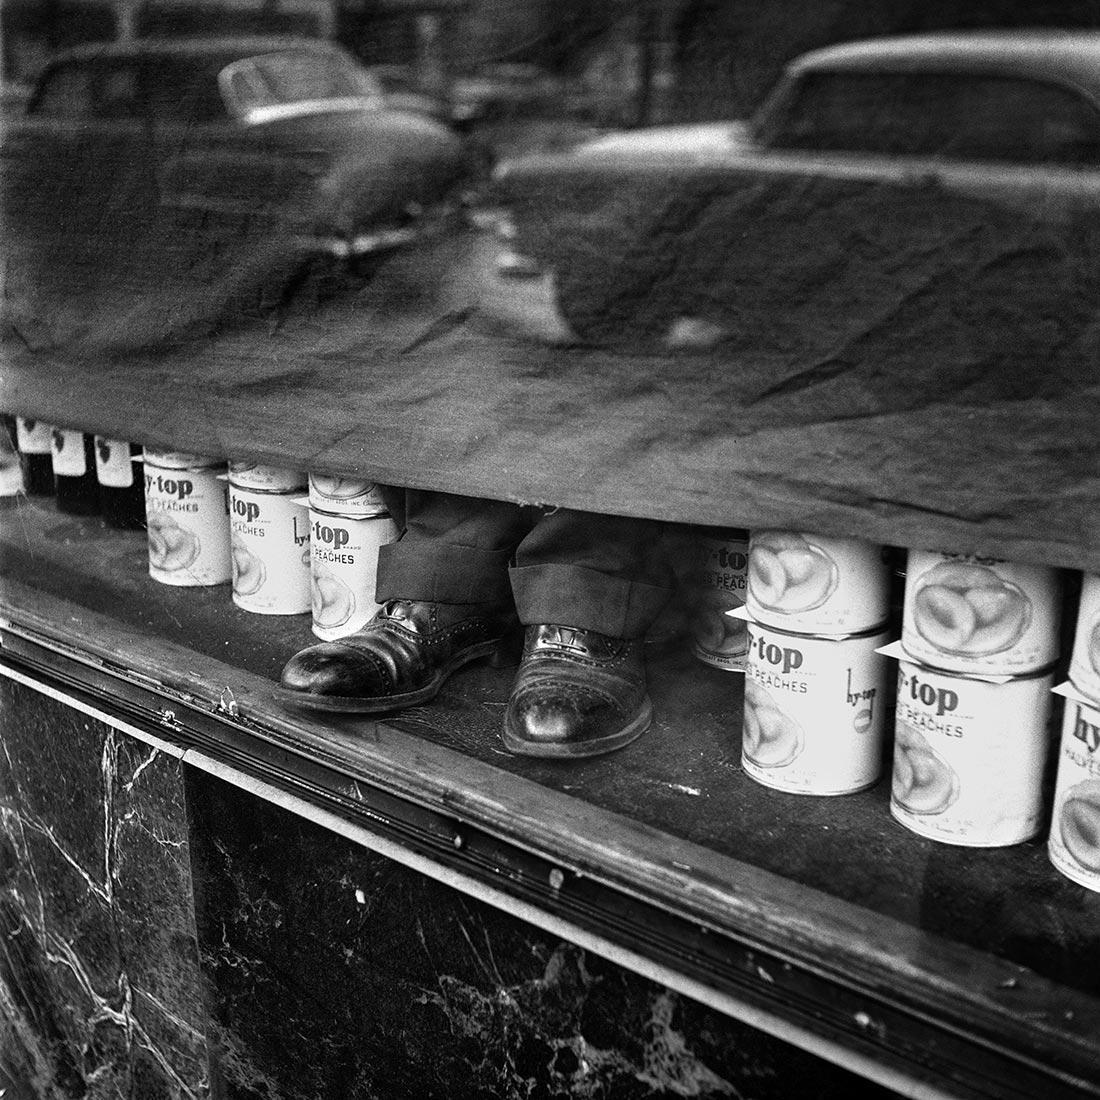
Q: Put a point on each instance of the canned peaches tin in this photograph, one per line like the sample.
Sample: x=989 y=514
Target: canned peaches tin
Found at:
x=814 y=711
x=1084 y=668
x=344 y=569
x=186 y=513
x=1074 y=842
x=181 y=460
x=270 y=548
x=265 y=479
x=718 y=586
x=346 y=496
x=980 y=615
x=813 y=584
x=969 y=756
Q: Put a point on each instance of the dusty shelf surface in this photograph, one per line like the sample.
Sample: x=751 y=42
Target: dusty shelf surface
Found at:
x=438 y=373
x=984 y=962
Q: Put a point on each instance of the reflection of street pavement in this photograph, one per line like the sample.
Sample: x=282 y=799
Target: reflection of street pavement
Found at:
x=522 y=307
x=138 y=279
x=436 y=364
x=435 y=368
x=148 y=289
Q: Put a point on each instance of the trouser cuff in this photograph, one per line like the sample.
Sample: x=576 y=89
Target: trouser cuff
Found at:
x=442 y=573
x=571 y=595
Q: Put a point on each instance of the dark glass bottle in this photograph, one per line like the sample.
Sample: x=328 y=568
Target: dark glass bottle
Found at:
x=33 y=440
x=121 y=488
x=11 y=470
x=74 y=472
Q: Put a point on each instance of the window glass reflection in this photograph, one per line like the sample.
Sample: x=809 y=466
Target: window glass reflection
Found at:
x=927 y=114
x=294 y=77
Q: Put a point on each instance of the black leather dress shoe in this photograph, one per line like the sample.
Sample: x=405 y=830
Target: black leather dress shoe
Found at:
x=400 y=658
x=577 y=693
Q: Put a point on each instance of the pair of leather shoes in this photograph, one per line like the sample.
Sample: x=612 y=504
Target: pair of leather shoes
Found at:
x=577 y=693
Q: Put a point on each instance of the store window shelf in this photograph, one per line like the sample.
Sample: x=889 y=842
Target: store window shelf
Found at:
x=927 y=967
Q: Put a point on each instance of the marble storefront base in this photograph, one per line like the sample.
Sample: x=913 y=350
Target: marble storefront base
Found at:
x=340 y=975
x=165 y=936
x=101 y=994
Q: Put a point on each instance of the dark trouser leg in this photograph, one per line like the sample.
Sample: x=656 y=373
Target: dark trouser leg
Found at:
x=453 y=549
x=587 y=587
x=610 y=574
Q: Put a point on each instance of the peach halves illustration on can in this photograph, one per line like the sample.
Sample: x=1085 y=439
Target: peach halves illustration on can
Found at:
x=270 y=540
x=187 y=519
x=981 y=615
x=344 y=569
x=1074 y=842
x=1084 y=667
x=815 y=584
x=814 y=711
x=345 y=496
x=969 y=755
x=717 y=585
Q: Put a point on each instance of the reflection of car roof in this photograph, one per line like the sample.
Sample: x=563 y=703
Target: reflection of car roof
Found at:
x=1066 y=56
x=228 y=48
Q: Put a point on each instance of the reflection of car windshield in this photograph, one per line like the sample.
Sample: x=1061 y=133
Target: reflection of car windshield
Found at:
x=933 y=114
x=179 y=89
x=292 y=78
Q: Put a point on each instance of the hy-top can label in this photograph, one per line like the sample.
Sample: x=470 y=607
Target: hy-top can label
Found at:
x=1084 y=668
x=717 y=586
x=181 y=460
x=814 y=711
x=973 y=614
x=187 y=516
x=270 y=552
x=345 y=496
x=816 y=584
x=969 y=756
x=1074 y=842
x=344 y=569
x=265 y=479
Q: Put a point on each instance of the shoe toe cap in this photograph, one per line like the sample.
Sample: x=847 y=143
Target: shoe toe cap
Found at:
x=327 y=670
x=554 y=718
x=571 y=721
x=550 y=721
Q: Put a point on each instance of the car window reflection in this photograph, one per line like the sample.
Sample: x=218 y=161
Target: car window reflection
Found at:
x=293 y=77
x=178 y=92
x=927 y=114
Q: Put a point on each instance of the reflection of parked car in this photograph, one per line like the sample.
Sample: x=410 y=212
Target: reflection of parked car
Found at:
x=1010 y=120
x=293 y=130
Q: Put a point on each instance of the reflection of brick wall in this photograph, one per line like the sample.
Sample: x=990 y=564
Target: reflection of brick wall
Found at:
x=730 y=52
x=546 y=32
x=35 y=28
x=227 y=16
